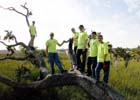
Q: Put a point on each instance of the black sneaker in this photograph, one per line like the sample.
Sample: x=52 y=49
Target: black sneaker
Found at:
x=87 y=74
x=64 y=71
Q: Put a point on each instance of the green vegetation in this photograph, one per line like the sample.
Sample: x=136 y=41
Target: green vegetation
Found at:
x=125 y=80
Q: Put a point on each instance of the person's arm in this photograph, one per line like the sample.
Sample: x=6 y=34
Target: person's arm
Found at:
x=86 y=41
x=105 y=55
x=60 y=44
x=86 y=44
x=66 y=41
x=46 y=50
x=105 y=51
x=89 y=43
x=35 y=32
x=75 y=38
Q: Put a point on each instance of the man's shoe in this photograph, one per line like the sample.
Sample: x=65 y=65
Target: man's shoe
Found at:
x=64 y=71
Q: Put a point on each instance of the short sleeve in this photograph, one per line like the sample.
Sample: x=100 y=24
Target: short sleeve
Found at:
x=56 y=41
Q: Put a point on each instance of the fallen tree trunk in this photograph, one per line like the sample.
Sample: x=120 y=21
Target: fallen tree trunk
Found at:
x=98 y=91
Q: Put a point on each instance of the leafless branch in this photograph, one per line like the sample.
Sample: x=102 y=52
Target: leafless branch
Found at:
x=9 y=36
x=14 y=58
x=3 y=43
x=98 y=91
x=28 y=13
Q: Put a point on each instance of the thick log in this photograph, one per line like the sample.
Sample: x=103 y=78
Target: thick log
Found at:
x=98 y=91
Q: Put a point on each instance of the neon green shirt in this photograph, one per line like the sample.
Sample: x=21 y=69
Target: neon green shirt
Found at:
x=93 y=48
x=101 y=52
x=75 y=38
x=108 y=54
x=32 y=30
x=83 y=37
x=51 y=44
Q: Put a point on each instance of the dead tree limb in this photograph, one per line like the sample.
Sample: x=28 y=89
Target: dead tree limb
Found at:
x=28 y=12
x=14 y=58
x=30 y=54
x=98 y=91
x=9 y=36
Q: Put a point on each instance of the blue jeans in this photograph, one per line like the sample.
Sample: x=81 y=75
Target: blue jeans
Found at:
x=54 y=58
x=106 y=71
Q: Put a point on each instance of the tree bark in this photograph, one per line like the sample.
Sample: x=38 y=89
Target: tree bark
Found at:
x=98 y=91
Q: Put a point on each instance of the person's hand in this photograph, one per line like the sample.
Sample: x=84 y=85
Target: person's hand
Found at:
x=104 y=66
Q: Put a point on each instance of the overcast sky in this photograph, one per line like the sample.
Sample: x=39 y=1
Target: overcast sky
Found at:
x=118 y=20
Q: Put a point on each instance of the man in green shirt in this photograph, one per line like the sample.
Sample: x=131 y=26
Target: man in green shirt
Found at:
x=81 y=49
x=103 y=60
x=52 y=54
x=32 y=30
x=75 y=39
x=92 y=58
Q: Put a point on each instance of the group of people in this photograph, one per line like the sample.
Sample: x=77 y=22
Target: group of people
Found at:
x=84 y=51
x=91 y=52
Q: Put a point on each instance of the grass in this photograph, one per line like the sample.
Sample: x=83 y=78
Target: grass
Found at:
x=125 y=80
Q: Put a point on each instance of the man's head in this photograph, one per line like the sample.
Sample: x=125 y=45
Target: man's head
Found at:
x=81 y=28
x=33 y=22
x=51 y=35
x=100 y=38
x=93 y=34
x=73 y=30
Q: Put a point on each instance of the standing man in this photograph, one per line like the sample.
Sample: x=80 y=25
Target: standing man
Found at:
x=92 y=58
x=103 y=60
x=33 y=33
x=75 y=39
x=52 y=53
x=81 y=49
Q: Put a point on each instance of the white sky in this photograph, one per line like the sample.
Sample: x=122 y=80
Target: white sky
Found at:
x=119 y=25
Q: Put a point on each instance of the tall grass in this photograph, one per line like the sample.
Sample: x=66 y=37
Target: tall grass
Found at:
x=125 y=80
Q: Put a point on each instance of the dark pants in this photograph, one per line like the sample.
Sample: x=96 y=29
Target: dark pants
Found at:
x=91 y=65
x=81 y=64
x=75 y=49
x=31 y=43
x=106 y=71
x=54 y=58
x=72 y=57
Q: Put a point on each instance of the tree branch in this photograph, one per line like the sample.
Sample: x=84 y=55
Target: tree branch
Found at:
x=25 y=15
x=10 y=36
x=14 y=58
x=3 y=43
x=97 y=90
x=17 y=44
x=15 y=10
